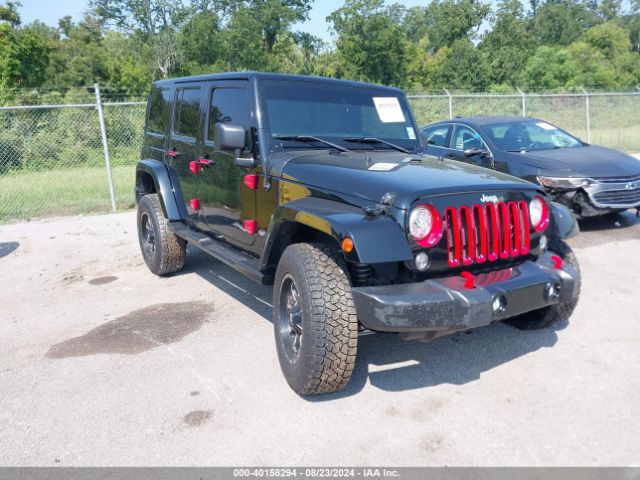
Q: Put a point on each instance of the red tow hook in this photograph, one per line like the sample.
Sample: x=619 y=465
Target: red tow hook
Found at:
x=468 y=280
x=557 y=262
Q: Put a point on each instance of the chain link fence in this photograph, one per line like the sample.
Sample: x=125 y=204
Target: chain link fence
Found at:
x=53 y=159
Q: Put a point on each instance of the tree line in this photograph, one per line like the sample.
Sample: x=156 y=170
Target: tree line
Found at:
x=457 y=44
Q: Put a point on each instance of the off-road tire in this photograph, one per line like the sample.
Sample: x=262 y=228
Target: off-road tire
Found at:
x=329 y=339
x=545 y=317
x=169 y=251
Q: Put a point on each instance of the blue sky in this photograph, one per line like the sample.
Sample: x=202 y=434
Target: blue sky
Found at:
x=49 y=11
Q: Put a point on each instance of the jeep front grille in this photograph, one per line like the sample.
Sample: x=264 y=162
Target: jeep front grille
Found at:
x=486 y=233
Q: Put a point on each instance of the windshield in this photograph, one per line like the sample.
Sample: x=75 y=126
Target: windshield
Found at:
x=337 y=113
x=529 y=135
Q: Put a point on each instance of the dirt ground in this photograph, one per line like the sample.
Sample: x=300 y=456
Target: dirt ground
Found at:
x=101 y=363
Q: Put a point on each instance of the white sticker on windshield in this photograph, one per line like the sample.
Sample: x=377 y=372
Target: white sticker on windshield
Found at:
x=389 y=109
x=545 y=126
x=411 y=133
x=382 y=166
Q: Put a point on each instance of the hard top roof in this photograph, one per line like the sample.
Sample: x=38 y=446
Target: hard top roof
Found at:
x=268 y=76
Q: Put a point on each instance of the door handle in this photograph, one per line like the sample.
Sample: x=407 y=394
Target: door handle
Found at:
x=196 y=165
x=205 y=162
x=450 y=155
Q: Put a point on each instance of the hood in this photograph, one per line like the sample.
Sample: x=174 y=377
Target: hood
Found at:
x=589 y=161
x=370 y=175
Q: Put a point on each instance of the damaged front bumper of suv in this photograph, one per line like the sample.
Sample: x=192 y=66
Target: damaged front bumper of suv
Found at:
x=446 y=305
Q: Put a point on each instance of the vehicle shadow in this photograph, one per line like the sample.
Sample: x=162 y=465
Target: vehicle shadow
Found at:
x=386 y=360
x=7 y=248
x=392 y=364
x=252 y=295
x=606 y=229
x=624 y=219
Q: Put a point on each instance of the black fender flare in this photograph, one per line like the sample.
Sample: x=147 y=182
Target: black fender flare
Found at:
x=164 y=186
x=376 y=239
x=563 y=222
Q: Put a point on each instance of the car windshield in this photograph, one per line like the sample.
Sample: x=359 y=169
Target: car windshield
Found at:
x=529 y=135
x=354 y=117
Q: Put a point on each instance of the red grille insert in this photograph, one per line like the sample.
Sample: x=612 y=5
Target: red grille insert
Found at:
x=486 y=232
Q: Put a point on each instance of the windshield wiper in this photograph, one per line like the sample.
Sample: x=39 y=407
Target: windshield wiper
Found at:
x=311 y=138
x=375 y=140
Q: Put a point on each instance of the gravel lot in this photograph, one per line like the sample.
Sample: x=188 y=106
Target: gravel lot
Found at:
x=101 y=363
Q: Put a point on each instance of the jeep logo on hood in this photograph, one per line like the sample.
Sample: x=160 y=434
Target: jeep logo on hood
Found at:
x=489 y=198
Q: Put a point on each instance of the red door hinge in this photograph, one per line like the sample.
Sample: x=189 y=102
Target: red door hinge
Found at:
x=195 y=167
x=251 y=226
x=251 y=181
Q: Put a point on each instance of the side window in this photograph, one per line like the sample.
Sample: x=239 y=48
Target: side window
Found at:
x=465 y=138
x=159 y=103
x=436 y=135
x=228 y=105
x=187 y=112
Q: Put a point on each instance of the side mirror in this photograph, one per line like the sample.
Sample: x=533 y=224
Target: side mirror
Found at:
x=229 y=137
x=472 y=152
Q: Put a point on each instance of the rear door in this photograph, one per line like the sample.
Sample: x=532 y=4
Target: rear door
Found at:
x=157 y=126
x=228 y=204
x=185 y=142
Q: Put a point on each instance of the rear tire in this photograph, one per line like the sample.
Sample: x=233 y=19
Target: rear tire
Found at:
x=314 y=319
x=163 y=251
x=545 y=317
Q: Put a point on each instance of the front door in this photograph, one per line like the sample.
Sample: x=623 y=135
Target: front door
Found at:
x=465 y=138
x=435 y=139
x=228 y=204
x=185 y=142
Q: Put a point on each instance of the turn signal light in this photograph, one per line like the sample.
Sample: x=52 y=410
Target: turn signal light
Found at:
x=347 y=245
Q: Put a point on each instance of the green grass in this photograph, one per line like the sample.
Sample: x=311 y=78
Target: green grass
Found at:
x=27 y=194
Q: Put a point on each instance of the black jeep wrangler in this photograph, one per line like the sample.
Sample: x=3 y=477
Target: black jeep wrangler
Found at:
x=321 y=188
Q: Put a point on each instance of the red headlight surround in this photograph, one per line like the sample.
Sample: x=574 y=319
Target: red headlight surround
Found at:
x=544 y=218
x=435 y=234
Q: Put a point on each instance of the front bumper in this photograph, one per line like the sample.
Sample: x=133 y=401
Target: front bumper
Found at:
x=601 y=197
x=444 y=304
x=618 y=195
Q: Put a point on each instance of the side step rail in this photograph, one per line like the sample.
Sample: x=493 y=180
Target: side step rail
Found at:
x=238 y=260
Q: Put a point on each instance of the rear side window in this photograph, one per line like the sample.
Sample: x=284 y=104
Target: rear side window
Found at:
x=229 y=105
x=187 y=112
x=159 y=103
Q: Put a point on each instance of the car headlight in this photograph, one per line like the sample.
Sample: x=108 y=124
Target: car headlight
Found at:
x=539 y=214
x=556 y=183
x=425 y=225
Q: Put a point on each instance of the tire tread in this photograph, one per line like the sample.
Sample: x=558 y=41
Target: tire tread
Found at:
x=334 y=334
x=173 y=249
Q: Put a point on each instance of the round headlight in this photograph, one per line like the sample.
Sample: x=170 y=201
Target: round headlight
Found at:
x=539 y=214
x=425 y=225
x=420 y=222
